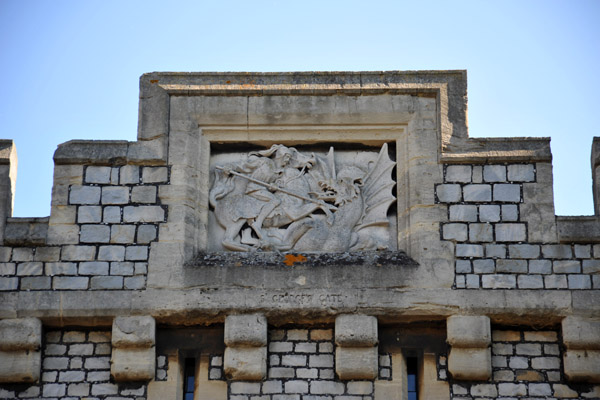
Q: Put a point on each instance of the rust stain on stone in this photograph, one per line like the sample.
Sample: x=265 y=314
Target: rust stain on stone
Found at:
x=154 y=81
x=290 y=259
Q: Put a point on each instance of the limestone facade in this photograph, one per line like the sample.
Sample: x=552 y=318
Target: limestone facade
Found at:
x=120 y=293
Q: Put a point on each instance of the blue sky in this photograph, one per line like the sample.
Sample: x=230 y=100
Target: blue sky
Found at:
x=70 y=69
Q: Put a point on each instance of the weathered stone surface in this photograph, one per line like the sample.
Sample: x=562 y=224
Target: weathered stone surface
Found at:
x=468 y=331
x=470 y=364
x=356 y=331
x=20 y=366
x=581 y=333
x=128 y=332
x=26 y=231
x=356 y=362
x=246 y=330
x=582 y=365
x=245 y=363
x=20 y=334
x=133 y=364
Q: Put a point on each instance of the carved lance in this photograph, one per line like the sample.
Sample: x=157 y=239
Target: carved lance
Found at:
x=275 y=188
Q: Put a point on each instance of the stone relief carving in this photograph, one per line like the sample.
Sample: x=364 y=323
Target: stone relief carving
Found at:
x=283 y=200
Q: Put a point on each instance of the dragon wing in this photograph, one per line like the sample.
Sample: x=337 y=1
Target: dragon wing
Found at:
x=377 y=191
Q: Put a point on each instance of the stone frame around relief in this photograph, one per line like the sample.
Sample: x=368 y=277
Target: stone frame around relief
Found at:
x=224 y=144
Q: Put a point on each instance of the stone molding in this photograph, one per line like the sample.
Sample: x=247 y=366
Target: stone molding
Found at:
x=470 y=357
x=581 y=337
x=134 y=353
x=245 y=356
x=356 y=353
x=20 y=354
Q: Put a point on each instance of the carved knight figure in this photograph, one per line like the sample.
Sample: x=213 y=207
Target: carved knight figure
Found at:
x=280 y=199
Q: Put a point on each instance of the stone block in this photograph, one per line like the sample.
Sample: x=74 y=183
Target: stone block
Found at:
x=9 y=284
x=523 y=251
x=507 y=192
x=494 y=173
x=154 y=175
x=458 y=173
x=245 y=330
x=112 y=215
x=47 y=254
x=122 y=233
x=557 y=251
x=511 y=266
x=581 y=333
x=510 y=232
x=133 y=364
x=245 y=363
x=477 y=193
x=449 y=193
x=143 y=194
x=78 y=253
x=521 y=173
x=21 y=366
x=579 y=281
x=352 y=363
x=115 y=195
x=489 y=213
x=136 y=253
x=30 y=269
x=510 y=212
x=469 y=250
x=567 y=267
x=388 y=390
x=94 y=234
x=130 y=332
x=470 y=364
x=146 y=233
x=36 y=283
x=456 y=232
x=61 y=268
x=468 y=331
x=556 y=282
x=20 y=334
x=89 y=214
x=143 y=214
x=106 y=282
x=95 y=174
x=540 y=267
x=530 y=282
x=70 y=283
x=84 y=195
x=481 y=233
x=356 y=330
x=485 y=266
x=111 y=253
x=582 y=365
x=130 y=174
x=463 y=213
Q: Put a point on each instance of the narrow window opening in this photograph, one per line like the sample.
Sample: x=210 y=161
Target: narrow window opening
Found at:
x=189 y=381
x=412 y=367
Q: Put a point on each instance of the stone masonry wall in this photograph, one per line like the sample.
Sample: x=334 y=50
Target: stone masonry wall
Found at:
x=301 y=366
x=526 y=364
x=76 y=365
x=115 y=213
x=486 y=221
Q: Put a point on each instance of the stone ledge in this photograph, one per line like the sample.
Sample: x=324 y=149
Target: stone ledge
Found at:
x=26 y=231
x=578 y=229
x=497 y=150
x=110 y=152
